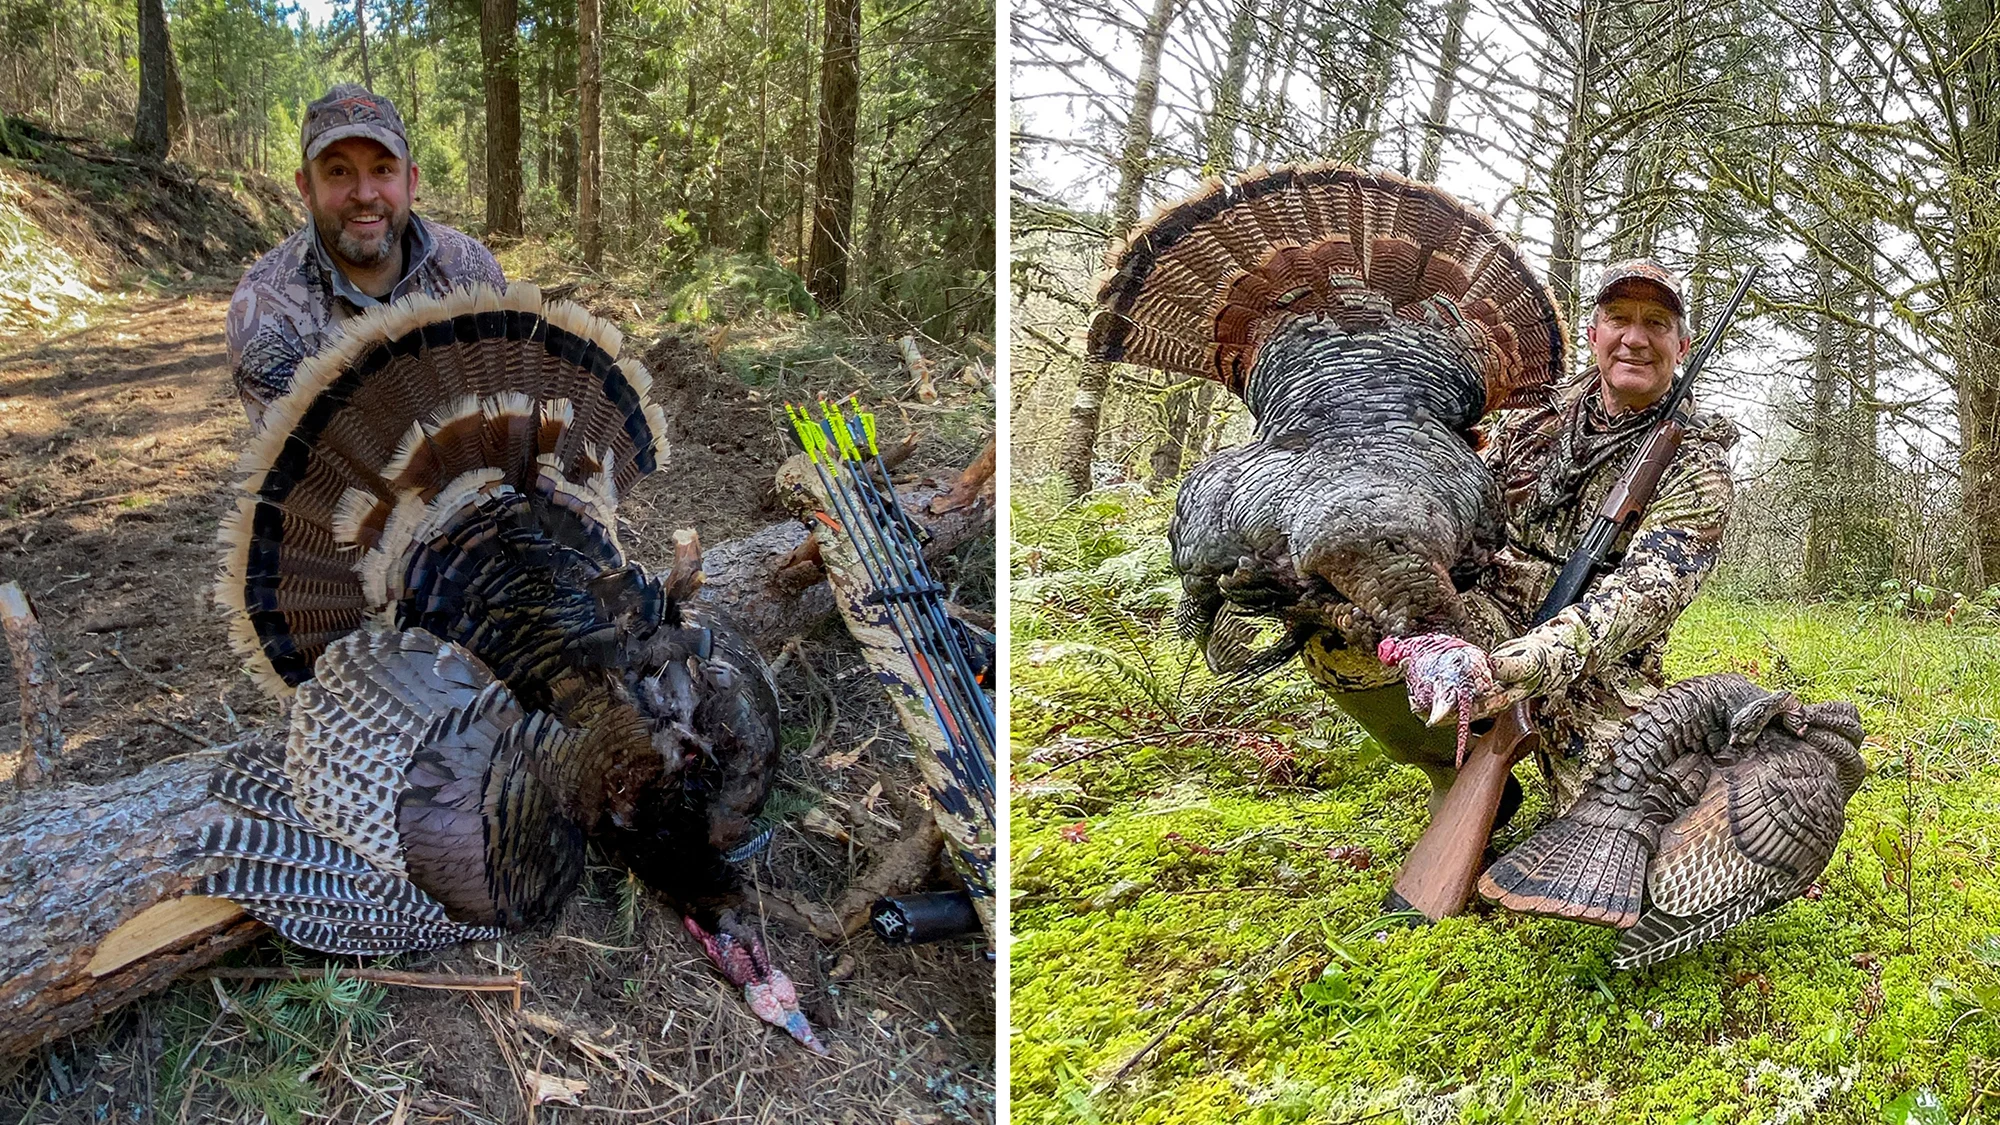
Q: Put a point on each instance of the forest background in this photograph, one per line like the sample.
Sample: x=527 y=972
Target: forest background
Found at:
x=1199 y=866
x=1851 y=147
x=809 y=154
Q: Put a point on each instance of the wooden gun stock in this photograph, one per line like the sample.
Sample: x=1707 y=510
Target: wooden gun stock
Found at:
x=1437 y=878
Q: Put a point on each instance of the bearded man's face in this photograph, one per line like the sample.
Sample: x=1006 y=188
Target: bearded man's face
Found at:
x=359 y=194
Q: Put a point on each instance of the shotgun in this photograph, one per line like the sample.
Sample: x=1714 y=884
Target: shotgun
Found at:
x=1437 y=878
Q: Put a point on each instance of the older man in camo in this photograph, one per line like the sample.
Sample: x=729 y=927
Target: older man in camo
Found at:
x=362 y=248
x=1590 y=667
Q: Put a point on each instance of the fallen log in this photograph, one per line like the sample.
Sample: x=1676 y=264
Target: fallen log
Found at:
x=82 y=863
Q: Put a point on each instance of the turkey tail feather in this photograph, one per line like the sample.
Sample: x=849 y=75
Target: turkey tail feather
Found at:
x=1570 y=869
x=321 y=894
x=1660 y=935
x=1202 y=284
x=414 y=401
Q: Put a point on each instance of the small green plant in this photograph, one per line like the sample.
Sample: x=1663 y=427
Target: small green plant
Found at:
x=724 y=287
x=262 y=1049
x=631 y=895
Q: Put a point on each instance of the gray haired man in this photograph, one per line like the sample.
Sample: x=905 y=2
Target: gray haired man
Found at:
x=362 y=248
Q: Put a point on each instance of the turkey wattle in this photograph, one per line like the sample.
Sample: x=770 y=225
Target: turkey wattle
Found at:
x=426 y=557
x=1368 y=322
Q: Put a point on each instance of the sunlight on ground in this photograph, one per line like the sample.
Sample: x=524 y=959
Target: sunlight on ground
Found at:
x=41 y=286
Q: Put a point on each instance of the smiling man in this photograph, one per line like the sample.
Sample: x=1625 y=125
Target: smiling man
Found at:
x=1590 y=667
x=361 y=248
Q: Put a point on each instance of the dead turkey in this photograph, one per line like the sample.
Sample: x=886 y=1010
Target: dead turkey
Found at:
x=426 y=557
x=1369 y=323
x=1720 y=801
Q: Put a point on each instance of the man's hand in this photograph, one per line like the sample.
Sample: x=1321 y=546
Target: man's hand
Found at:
x=1538 y=662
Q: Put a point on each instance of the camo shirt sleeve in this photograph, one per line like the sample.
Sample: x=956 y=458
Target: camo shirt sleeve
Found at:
x=1627 y=612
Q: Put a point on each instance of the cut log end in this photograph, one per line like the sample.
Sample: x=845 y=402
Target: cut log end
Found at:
x=163 y=925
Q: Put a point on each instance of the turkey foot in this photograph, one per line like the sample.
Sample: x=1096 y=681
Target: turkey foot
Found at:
x=741 y=957
x=1443 y=674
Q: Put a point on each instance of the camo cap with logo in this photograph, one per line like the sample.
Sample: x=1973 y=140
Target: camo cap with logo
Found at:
x=1643 y=270
x=349 y=110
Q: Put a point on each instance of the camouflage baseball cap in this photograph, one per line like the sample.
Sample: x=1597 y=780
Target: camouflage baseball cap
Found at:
x=1646 y=271
x=349 y=110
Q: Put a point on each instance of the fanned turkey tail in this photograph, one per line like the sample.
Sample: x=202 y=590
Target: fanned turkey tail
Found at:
x=1200 y=286
x=420 y=411
x=1570 y=869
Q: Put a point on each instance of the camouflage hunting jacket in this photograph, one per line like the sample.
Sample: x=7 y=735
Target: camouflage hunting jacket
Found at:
x=1594 y=664
x=294 y=300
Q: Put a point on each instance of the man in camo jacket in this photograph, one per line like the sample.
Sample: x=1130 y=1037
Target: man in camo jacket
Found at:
x=361 y=248
x=1589 y=668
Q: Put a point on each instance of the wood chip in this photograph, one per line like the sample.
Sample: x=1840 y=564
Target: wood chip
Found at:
x=545 y=1088
x=817 y=820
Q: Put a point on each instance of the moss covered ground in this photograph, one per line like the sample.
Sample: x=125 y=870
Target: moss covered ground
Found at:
x=1199 y=868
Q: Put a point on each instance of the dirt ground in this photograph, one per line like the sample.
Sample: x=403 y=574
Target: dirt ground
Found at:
x=117 y=444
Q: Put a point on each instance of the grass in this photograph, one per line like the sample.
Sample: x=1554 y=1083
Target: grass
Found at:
x=1199 y=871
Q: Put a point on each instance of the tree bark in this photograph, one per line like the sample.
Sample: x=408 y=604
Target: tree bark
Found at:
x=1820 y=533
x=79 y=861
x=591 y=172
x=499 y=53
x=41 y=693
x=149 y=131
x=180 y=124
x=1451 y=53
x=1079 y=442
x=833 y=180
x=1974 y=202
x=361 y=37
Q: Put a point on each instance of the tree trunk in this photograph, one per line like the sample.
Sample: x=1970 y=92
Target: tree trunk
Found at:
x=1079 y=442
x=1450 y=55
x=361 y=37
x=1820 y=533
x=499 y=59
x=833 y=180
x=1974 y=202
x=1219 y=139
x=180 y=124
x=632 y=175
x=566 y=139
x=1219 y=160
x=83 y=860
x=590 y=174
x=149 y=132
x=1574 y=161
x=1385 y=34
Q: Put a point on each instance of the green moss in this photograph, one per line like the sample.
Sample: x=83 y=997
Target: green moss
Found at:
x=1172 y=875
